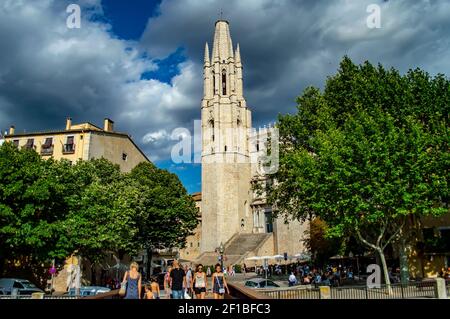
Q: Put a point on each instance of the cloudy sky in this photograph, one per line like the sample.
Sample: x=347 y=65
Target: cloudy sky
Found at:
x=140 y=62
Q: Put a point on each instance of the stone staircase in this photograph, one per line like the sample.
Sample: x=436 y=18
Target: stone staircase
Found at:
x=236 y=249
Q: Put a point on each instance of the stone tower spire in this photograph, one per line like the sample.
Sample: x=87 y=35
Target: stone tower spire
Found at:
x=225 y=144
x=223 y=46
x=237 y=56
x=207 y=61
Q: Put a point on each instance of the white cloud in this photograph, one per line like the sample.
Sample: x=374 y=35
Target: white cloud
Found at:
x=155 y=136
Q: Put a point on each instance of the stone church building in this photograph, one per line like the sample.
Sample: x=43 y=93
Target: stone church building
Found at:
x=232 y=212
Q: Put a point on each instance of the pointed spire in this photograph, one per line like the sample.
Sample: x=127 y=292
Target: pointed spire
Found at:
x=223 y=46
x=237 y=56
x=206 y=53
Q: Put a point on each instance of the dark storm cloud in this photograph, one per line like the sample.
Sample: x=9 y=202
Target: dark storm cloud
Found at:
x=288 y=45
x=48 y=72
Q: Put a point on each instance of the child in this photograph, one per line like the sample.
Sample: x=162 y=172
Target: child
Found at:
x=155 y=288
x=148 y=292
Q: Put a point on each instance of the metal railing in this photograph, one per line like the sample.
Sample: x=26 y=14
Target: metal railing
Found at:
x=292 y=293
x=46 y=151
x=396 y=291
x=68 y=148
x=22 y=297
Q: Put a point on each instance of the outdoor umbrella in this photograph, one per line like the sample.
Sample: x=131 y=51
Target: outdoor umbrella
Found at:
x=254 y=258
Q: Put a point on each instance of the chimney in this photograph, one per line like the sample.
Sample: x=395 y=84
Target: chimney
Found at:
x=108 y=125
x=12 y=130
x=68 y=123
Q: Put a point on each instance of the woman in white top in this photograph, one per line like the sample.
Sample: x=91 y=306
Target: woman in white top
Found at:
x=199 y=282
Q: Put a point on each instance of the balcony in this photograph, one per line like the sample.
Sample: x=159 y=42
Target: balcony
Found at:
x=29 y=147
x=47 y=150
x=68 y=149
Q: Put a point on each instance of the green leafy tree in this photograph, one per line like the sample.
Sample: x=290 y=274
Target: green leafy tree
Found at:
x=317 y=242
x=101 y=213
x=165 y=213
x=32 y=209
x=366 y=154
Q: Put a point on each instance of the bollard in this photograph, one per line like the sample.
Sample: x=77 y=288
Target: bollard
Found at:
x=440 y=289
x=325 y=292
x=37 y=295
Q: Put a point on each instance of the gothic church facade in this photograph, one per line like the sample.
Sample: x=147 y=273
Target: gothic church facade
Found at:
x=232 y=213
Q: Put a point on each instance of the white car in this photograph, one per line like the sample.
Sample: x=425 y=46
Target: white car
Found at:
x=21 y=286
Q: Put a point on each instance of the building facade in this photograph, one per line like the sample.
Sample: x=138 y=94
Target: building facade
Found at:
x=82 y=142
x=233 y=214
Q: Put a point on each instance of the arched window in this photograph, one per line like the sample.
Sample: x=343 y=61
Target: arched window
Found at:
x=214 y=82
x=224 y=82
x=211 y=125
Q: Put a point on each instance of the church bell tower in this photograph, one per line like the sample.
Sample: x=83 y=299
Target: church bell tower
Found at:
x=226 y=121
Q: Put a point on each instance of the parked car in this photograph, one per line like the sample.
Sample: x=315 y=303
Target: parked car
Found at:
x=260 y=283
x=89 y=291
x=23 y=286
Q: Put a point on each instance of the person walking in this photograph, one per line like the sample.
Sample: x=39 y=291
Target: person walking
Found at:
x=148 y=292
x=167 y=289
x=155 y=288
x=219 y=283
x=199 y=282
x=208 y=272
x=188 y=287
x=292 y=280
x=177 y=281
x=133 y=282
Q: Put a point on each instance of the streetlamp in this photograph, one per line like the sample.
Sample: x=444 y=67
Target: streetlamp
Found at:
x=221 y=251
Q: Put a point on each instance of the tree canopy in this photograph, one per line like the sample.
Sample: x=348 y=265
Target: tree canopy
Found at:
x=367 y=153
x=52 y=209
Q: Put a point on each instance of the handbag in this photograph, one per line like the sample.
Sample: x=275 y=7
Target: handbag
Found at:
x=221 y=289
x=123 y=287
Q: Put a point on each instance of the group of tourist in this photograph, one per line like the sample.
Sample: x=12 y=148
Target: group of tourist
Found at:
x=179 y=283
x=305 y=274
x=445 y=273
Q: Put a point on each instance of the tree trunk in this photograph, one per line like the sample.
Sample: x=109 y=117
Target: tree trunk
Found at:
x=148 y=269
x=387 y=281
x=404 y=268
x=93 y=275
x=2 y=263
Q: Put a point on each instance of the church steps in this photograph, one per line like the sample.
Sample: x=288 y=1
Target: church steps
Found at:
x=236 y=249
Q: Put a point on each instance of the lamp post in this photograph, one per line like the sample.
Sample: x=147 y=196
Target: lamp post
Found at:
x=221 y=251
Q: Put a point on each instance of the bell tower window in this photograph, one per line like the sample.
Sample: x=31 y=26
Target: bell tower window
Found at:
x=211 y=124
x=224 y=82
x=214 y=82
